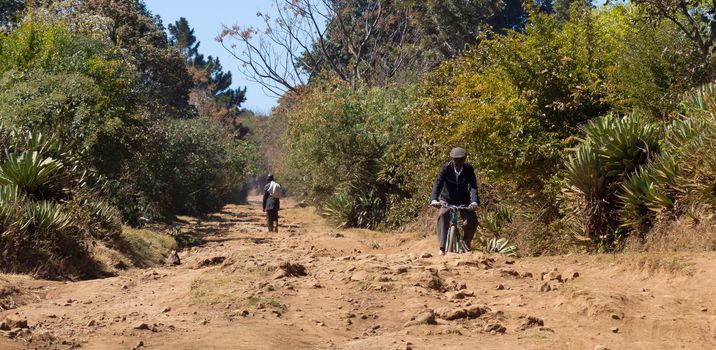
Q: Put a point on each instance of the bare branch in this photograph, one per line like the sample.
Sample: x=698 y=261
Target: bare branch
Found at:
x=689 y=17
x=353 y=40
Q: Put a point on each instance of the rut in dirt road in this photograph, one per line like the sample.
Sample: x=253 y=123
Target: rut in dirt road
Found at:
x=311 y=286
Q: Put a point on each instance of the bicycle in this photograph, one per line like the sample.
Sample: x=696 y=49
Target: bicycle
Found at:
x=454 y=242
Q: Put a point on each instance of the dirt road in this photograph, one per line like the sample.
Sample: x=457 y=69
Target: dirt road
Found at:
x=244 y=288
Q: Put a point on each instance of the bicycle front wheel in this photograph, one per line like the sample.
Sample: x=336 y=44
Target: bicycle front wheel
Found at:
x=451 y=239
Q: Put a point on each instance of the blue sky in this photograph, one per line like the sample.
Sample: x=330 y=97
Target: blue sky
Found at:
x=207 y=17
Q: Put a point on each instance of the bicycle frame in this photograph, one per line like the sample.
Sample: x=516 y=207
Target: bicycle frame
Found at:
x=454 y=241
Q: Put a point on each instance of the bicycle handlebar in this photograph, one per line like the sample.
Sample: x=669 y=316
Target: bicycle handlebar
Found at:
x=455 y=206
x=450 y=206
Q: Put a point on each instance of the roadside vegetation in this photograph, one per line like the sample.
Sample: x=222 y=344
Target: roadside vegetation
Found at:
x=106 y=119
x=589 y=126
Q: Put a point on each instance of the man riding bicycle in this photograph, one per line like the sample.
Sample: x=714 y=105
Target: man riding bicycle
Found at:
x=456 y=184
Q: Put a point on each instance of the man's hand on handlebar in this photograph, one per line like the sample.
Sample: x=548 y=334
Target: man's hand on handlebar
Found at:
x=440 y=204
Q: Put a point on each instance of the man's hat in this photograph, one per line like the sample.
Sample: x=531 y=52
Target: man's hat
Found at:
x=458 y=152
x=269 y=177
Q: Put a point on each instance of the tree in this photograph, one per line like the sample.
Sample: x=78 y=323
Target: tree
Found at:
x=182 y=36
x=133 y=28
x=232 y=98
x=353 y=40
x=695 y=18
x=456 y=25
x=220 y=85
x=561 y=8
x=211 y=95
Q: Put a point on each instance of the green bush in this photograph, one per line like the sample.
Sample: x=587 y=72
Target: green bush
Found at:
x=86 y=139
x=194 y=167
x=651 y=65
x=57 y=78
x=341 y=152
x=73 y=85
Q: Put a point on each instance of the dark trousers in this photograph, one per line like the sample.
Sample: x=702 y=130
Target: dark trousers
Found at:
x=272 y=220
x=469 y=225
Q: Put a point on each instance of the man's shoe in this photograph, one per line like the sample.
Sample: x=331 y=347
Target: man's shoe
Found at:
x=441 y=252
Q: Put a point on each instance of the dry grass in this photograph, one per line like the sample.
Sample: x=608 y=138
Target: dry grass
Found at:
x=671 y=264
x=651 y=263
x=147 y=248
x=532 y=237
x=270 y=303
x=683 y=235
x=215 y=290
x=424 y=223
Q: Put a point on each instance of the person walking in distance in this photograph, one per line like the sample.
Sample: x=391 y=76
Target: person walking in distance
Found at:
x=272 y=203
x=456 y=184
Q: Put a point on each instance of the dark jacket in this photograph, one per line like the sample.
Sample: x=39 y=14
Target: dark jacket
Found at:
x=270 y=203
x=460 y=191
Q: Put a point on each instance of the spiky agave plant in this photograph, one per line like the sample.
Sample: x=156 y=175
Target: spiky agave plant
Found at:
x=623 y=144
x=43 y=220
x=612 y=150
x=500 y=246
x=664 y=180
x=703 y=100
x=369 y=209
x=641 y=200
x=585 y=192
x=698 y=157
x=46 y=144
x=35 y=175
x=338 y=208
x=494 y=219
x=10 y=201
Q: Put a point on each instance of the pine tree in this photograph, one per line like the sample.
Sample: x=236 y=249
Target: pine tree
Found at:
x=182 y=36
x=212 y=84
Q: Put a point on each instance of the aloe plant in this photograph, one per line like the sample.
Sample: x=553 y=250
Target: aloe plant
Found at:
x=34 y=175
x=698 y=158
x=500 y=246
x=10 y=194
x=703 y=99
x=338 y=208
x=623 y=144
x=613 y=149
x=10 y=199
x=43 y=219
x=493 y=222
x=641 y=200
